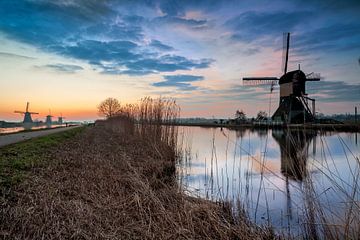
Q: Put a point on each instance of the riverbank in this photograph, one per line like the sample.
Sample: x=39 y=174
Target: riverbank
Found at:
x=106 y=183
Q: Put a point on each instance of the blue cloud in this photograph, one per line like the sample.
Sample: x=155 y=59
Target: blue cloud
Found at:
x=124 y=31
x=65 y=68
x=172 y=8
x=182 y=78
x=113 y=43
x=159 y=45
x=182 y=82
x=335 y=91
x=143 y=66
x=93 y=50
x=336 y=37
x=332 y=5
x=191 y=23
x=250 y=26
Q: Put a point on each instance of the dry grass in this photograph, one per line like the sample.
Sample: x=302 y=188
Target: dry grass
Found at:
x=114 y=181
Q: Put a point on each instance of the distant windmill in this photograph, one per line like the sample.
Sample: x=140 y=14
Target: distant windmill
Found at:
x=27 y=114
x=293 y=103
x=49 y=118
x=61 y=119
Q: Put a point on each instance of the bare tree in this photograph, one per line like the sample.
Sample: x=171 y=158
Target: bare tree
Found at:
x=109 y=107
x=240 y=115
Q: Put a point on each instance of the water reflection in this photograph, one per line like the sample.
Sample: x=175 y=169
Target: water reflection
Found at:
x=294 y=145
x=26 y=127
x=271 y=172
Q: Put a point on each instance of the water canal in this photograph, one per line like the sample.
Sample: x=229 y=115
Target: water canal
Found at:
x=31 y=127
x=301 y=183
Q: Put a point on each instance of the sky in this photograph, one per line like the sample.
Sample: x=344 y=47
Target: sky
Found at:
x=67 y=56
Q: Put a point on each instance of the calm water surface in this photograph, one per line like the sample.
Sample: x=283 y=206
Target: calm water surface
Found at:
x=18 y=129
x=281 y=178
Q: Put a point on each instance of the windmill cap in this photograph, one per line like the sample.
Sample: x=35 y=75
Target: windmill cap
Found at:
x=293 y=75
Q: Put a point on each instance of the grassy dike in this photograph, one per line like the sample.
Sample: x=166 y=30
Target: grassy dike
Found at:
x=18 y=159
x=107 y=182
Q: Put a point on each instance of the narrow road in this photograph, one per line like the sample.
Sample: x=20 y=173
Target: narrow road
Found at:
x=19 y=137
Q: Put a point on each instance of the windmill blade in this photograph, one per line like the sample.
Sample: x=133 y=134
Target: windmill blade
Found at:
x=285 y=55
x=21 y=112
x=259 y=80
x=312 y=77
x=33 y=113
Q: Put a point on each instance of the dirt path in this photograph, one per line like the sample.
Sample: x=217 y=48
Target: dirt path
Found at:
x=19 y=137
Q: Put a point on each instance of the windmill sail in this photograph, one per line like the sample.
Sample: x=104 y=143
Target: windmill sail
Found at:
x=259 y=80
x=286 y=45
x=313 y=77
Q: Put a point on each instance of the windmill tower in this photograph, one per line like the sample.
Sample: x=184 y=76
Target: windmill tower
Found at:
x=27 y=114
x=48 y=120
x=293 y=102
x=61 y=119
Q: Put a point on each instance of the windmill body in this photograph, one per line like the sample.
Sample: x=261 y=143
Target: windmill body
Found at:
x=61 y=119
x=293 y=102
x=48 y=120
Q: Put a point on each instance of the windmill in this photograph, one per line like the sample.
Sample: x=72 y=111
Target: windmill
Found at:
x=27 y=114
x=49 y=118
x=60 y=119
x=293 y=102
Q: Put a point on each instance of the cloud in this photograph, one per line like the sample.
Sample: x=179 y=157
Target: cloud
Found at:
x=85 y=9
x=112 y=31
x=335 y=37
x=172 y=8
x=250 y=51
x=113 y=43
x=93 y=50
x=13 y=55
x=333 y=5
x=191 y=23
x=250 y=26
x=65 y=68
x=334 y=91
x=182 y=82
x=141 y=65
x=159 y=45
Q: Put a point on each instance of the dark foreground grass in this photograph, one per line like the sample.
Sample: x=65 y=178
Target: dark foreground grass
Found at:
x=17 y=160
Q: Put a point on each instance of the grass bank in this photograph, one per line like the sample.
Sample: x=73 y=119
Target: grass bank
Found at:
x=17 y=160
